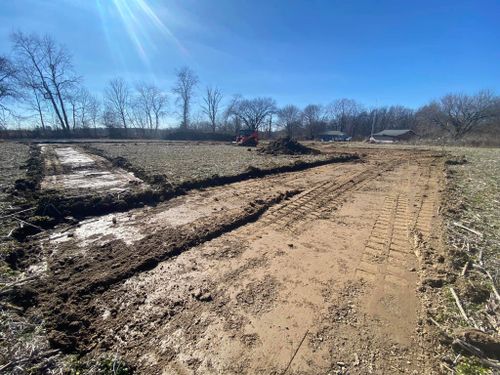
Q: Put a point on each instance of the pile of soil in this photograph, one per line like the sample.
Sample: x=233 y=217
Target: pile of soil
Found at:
x=288 y=146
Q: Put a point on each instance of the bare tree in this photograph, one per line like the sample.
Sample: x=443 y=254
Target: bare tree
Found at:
x=151 y=104
x=314 y=120
x=253 y=112
x=8 y=87
x=32 y=95
x=109 y=119
x=289 y=118
x=342 y=113
x=94 y=110
x=88 y=109
x=184 y=87
x=51 y=70
x=37 y=103
x=211 y=107
x=73 y=101
x=8 y=77
x=117 y=101
x=459 y=114
x=231 y=122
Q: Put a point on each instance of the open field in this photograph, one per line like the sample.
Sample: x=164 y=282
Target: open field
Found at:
x=13 y=156
x=334 y=268
x=181 y=162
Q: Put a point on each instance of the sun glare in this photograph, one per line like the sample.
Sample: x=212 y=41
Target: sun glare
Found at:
x=141 y=23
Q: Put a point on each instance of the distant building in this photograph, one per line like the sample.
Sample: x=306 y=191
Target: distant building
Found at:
x=334 y=136
x=393 y=135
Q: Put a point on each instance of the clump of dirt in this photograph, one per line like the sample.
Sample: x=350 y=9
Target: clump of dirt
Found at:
x=259 y=296
x=34 y=171
x=288 y=146
x=488 y=344
x=458 y=160
x=473 y=289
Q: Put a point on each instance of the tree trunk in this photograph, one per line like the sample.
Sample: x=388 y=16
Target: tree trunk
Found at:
x=63 y=109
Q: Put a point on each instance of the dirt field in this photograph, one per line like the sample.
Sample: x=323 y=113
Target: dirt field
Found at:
x=13 y=156
x=180 y=161
x=342 y=268
x=305 y=272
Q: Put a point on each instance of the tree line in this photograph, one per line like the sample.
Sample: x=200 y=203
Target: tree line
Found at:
x=39 y=85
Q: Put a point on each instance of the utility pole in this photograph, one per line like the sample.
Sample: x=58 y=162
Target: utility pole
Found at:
x=269 y=129
x=374 y=119
x=373 y=122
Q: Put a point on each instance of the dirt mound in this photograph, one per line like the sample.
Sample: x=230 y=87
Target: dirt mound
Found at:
x=288 y=146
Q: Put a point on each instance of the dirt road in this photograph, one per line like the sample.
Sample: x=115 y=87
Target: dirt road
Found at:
x=301 y=273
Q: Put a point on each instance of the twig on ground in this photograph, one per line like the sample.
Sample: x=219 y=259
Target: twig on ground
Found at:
x=468 y=229
x=464 y=270
x=16 y=213
x=448 y=368
x=7 y=365
x=460 y=307
x=439 y=326
x=480 y=257
x=10 y=306
x=15 y=283
x=295 y=353
x=26 y=223
x=488 y=274
x=471 y=349
x=17 y=362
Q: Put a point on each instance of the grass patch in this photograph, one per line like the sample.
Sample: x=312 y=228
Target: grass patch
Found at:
x=471 y=366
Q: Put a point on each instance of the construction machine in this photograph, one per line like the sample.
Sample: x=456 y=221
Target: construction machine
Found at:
x=247 y=138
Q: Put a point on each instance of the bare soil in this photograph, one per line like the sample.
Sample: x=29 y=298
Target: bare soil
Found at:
x=287 y=146
x=13 y=157
x=314 y=271
x=71 y=170
x=184 y=162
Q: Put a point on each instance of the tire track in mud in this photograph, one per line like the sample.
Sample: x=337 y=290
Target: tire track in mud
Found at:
x=78 y=280
x=175 y=329
x=70 y=290
x=322 y=198
x=428 y=201
x=389 y=254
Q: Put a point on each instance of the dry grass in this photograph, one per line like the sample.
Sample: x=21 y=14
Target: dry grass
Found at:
x=473 y=233
x=477 y=183
x=181 y=162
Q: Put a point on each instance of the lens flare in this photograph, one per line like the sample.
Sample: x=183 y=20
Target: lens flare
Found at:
x=142 y=25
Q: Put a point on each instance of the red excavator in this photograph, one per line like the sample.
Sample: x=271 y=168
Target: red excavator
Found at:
x=248 y=138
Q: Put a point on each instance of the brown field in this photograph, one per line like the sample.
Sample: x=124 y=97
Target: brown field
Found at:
x=331 y=269
x=13 y=156
x=183 y=161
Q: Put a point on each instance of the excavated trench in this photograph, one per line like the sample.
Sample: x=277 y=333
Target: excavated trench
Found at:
x=83 y=183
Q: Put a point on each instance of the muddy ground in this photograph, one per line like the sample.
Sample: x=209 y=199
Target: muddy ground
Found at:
x=13 y=158
x=70 y=170
x=307 y=272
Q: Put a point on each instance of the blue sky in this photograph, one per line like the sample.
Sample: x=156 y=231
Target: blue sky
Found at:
x=385 y=52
